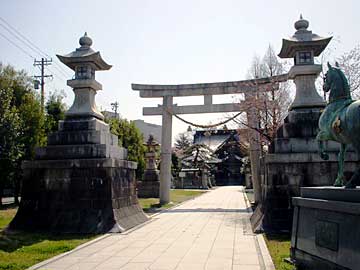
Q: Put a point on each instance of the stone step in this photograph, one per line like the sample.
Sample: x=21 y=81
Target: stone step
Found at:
x=82 y=137
x=83 y=124
x=53 y=152
x=304 y=145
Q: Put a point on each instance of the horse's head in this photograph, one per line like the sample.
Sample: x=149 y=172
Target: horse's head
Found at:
x=336 y=81
x=328 y=78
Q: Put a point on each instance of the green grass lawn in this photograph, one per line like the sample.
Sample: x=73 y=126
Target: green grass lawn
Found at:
x=6 y=215
x=279 y=248
x=21 y=250
x=152 y=205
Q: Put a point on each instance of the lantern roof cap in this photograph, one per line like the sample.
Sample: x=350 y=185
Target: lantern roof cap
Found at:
x=303 y=39
x=84 y=54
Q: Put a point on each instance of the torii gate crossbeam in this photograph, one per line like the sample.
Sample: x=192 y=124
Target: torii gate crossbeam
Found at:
x=167 y=92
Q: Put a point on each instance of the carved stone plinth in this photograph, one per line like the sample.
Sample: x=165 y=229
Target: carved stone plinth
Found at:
x=81 y=182
x=150 y=186
x=325 y=232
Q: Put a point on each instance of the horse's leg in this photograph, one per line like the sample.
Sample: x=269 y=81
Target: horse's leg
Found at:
x=339 y=182
x=321 y=137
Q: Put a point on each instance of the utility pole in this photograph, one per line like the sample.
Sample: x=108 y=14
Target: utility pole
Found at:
x=42 y=63
x=114 y=107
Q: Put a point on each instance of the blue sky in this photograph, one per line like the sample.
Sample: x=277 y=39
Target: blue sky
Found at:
x=167 y=42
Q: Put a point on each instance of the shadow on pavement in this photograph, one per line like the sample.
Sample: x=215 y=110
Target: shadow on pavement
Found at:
x=207 y=210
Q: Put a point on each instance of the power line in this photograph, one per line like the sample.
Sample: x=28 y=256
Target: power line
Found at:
x=38 y=51
x=66 y=76
x=17 y=46
x=25 y=38
x=30 y=44
x=59 y=76
x=59 y=67
x=41 y=65
x=19 y=39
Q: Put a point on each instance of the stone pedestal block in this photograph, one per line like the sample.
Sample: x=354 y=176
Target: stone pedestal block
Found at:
x=325 y=232
x=293 y=162
x=150 y=186
x=81 y=182
x=78 y=196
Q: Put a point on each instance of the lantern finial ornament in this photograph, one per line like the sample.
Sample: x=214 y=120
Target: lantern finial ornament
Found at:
x=85 y=41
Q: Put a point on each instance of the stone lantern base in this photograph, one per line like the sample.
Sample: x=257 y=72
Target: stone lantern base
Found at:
x=80 y=183
x=150 y=186
x=293 y=162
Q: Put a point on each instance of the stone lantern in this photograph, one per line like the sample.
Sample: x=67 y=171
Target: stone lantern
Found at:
x=85 y=62
x=150 y=185
x=303 y=46
x=293 y=160
x=82 y=181
x=150 y=156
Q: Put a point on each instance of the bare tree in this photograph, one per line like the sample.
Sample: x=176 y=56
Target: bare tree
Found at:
x=256 y=69
x=349 y=62
x=271 y=105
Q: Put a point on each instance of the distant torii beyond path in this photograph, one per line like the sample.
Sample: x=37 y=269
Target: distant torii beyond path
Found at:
x=248 y=87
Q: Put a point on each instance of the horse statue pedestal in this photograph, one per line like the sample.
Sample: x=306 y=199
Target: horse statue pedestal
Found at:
x=325 y=232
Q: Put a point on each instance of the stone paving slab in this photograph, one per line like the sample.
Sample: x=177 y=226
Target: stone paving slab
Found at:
x=209 y=232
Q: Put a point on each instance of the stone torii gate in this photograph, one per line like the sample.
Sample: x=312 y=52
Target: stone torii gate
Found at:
x=248 y=87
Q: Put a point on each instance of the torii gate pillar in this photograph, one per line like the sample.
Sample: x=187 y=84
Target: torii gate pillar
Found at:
x=165 y=166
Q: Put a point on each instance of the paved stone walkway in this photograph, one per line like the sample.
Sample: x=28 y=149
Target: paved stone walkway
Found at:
x=209 y=232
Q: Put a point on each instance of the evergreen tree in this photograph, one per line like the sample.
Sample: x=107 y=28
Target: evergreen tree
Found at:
x=55 y=108
x=10 y=130
x=21 y=125
x=130 y=138
x=182 y=141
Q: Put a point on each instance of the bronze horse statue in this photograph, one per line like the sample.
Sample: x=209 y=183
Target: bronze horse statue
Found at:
x=340 y=121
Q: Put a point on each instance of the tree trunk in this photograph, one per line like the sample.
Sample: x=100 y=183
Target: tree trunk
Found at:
x=1 y=192
x=17 y=191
